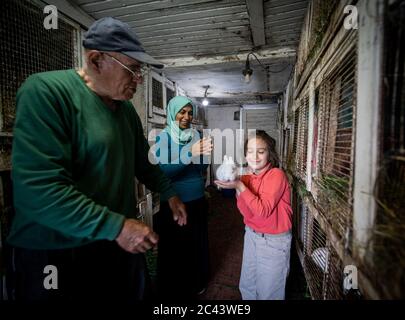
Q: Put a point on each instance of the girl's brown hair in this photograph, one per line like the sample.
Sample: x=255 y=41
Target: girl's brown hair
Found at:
x=270 y=143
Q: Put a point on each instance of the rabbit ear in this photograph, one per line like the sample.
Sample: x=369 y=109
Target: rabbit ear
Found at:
x=225 y=159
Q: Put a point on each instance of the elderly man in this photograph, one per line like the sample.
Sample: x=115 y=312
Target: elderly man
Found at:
x=78 y=145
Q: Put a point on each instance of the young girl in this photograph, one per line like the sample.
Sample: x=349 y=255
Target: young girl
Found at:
x=263 y=198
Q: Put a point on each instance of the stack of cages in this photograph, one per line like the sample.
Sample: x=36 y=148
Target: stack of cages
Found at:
x=335 y=103
x=150 y=104
x=28 y=48
x=329 y=212
x=141 y=193
x=327 y=101
x=322 y=265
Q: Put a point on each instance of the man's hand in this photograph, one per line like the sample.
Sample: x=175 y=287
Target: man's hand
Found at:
x=136 y=237
x=179 y=210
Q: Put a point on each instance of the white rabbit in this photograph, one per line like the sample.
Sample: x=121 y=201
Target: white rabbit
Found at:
x=227 y=171
x=321 y=257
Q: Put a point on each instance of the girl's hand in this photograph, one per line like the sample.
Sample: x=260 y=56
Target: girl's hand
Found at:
x=236 y=184
x=202 y=147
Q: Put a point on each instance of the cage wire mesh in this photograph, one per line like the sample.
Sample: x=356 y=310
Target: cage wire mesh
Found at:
x=336 y=145
x=322 y=265
x=286 y=147
x=296 y=206
x=292 y=156
x=315 y=258
x=140 y=101
x=300 y=221
x=302 y=138
x=334 y=276
x=30 y=49
x=157 y=93
x=169 y=94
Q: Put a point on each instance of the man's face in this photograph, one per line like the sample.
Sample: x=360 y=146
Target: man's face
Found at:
x=119 y=82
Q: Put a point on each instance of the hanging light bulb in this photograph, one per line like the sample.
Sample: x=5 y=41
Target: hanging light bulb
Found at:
x=205 y=102
x=247 y=72
x=247 y=75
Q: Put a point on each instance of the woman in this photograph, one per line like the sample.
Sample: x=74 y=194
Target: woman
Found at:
x=182 y=270
x=263 y=199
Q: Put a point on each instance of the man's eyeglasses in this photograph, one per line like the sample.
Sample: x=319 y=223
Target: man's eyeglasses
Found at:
x=137 y=74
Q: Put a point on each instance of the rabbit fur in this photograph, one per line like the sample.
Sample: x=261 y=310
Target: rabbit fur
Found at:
x=227 y=171
x=321 y=258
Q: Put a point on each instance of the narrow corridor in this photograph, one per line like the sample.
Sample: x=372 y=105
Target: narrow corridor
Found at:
x=322 y=81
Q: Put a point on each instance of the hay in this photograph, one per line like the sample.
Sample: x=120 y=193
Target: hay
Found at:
x=333 y=202
x=388 y=237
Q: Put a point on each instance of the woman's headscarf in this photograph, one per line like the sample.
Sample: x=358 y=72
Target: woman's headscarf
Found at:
x=180 y=136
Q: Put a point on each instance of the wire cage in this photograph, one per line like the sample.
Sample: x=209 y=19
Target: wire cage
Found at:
x=302 y=138
x=140 y=101
x=292 y=155
x=322 y=265
x=315 y=257
x=169 y=94
x=157 y=93
x=334 y=179
x=334 y=277
x=30 y=49
x=300 y=221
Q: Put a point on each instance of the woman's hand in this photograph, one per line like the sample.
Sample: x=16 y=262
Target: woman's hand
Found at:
x=236 y=184
x=179 y=210
x=202 y=147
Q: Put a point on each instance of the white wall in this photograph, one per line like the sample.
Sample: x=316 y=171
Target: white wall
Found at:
x=219 y=117
x=264 y=119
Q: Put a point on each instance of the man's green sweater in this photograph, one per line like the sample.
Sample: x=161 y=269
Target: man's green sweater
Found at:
x=74 y=161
